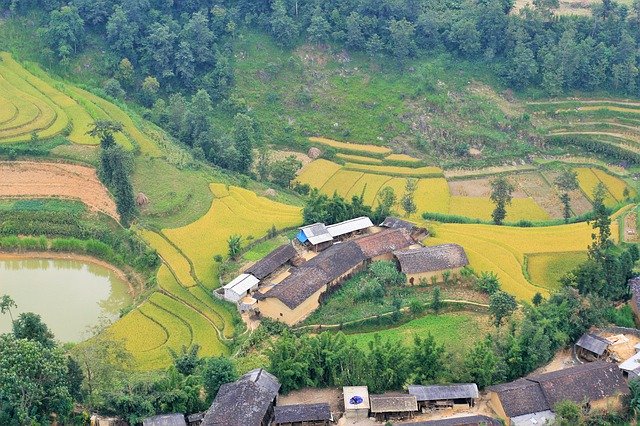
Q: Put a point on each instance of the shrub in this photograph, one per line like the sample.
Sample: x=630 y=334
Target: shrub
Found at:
x=370 y=290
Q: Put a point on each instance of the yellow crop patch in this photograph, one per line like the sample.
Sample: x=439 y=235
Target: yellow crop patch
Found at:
x=371 y=149
x=402 y=157
x=481 y=208
x=177 y=262
x=139 y=332
x=615 y=185
x=317 y=173
x=546 y=269
x=432 y=195
x=359 y=159
x=371 y=185
x=242 y=213
x=588 y=181
x=427 y=171
x=341 y=182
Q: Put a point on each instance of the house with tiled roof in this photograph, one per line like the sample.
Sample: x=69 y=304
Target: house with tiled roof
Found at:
x=431 y=263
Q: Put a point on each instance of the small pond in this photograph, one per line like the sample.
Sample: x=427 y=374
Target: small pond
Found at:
x=70 y=295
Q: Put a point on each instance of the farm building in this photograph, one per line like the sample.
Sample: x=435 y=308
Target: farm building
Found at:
x=356 y=402
x=316 y=235
x=195 y=419
x=97 y=420
x=303 y=415
x=175 y=419
x=416 y=232
x=249 y=401
x=393 y=406
x=592 y=347
x=631 y=367
x=381 y=245
x=430 y=263
x=445 y=396
x=634 y=289
x=274 y=260
x=298 y=295
x=478 y=420
x=349 y=227
x=597 y=385
x=239 y=287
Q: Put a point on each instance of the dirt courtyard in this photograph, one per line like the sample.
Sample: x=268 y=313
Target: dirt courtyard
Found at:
x=31 y=179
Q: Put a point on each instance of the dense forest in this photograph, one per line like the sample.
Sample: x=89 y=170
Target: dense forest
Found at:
x=177 y=57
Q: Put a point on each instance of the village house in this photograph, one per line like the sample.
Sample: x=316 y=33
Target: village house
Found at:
x=478 y=420
x=303 y=415
x=241 y=286
x=631 y=367
x=393 y=406
x=416 y=232
x=249 y=401
x=592 y=347
x=596 y=385
x=356 y=402
x=445 y=396
x=426 y=264
x=319 y=236
x=175 y=419
x=634 y=289
x=271 y=262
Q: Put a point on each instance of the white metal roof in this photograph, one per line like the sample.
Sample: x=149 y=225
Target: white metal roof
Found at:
x=631 y=364
x=317 y=233
x=351 y=391
x=351 y=225
x=242 y=283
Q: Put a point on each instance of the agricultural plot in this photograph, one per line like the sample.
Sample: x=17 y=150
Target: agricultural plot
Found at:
x=416 y=172
x=346 y=147
x=588 y=181
x=503 y=249
x=172 y=257
x=317 y=173
x=579 y=203
x=341 y=182
x=358 y=159
x=401 y=158
x=546 y=269
x=481 y=208
x=234 y=211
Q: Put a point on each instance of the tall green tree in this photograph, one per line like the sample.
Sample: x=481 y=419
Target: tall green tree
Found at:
x=388 y=365
x=501 y=306
x=319 y=28
x=501 y=196
x=65 y=31
x=283 y=27
x=31 y=327
x=427 y=359
x=408 y=202
x=216 y=372
x=6 y=303
x=566 y=182
x=601 y=224
x=244 y=138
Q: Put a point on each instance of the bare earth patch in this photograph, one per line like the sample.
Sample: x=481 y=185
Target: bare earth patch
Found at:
x=31 y=179
x=478 y=188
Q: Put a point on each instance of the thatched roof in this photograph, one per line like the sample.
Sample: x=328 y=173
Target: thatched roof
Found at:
x=444 y=392
x=326 y=267
x=432 y=259
x=384 y=242
x=302 y=413
x=244 y=402
x=272 y=261
x=175 y=419
x=393 y=403
x=593 y=343
x=457 y=421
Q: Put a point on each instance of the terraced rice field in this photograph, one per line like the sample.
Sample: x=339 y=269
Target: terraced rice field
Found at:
x=358 y=159
x=31 y=102
x=588 y=179
x=503 y=249
x=233 y=211
x=481 y=208
x=417 y=172
x=341 y=182
x=318 y=172
x=373 y=150
x=177 y=262
x=546 y=269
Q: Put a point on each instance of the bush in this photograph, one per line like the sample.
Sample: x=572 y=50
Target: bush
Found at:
x=622 y=317
x=370 y=290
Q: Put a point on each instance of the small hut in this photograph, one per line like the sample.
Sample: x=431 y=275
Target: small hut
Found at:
x=356 y=402
x=303 y=415
x=592 y=347
x=142 y=200
x=393 y=406
x=445 y=396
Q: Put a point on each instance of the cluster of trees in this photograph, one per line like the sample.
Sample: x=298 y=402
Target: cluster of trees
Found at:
x=378 y=280
x=322 y=208
x=115 y=168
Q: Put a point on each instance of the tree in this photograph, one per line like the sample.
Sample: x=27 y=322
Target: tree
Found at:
x=289 y=359
x=522 y=68
x=319 y=28
x=126 y=72
x=375 y=46
x=567 y=181
x=244 y=139
x=235 y=245
x=408 y=199
x=386 y=200
x=186 y=361
x=32 y=382
x=601 y=222
x=150 y=88
x=480 y=365
x=436 y=302
x=537 y=299
x=122 y=33
x=488 y=282
x=501 y=306
x=401 y=39
x=283 y=28
x=74 y=379
x=568 y=413
x=216 y=372
x=6 y=303
x=65 y=30
x=634 y=398
x=388 y=365
x=501 y=190
x=30 y=326
x=427 y=359
x=263 y=166
x=284 y=171
x=105 y=131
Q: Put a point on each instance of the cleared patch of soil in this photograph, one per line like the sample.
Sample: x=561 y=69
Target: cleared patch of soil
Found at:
x=332 y=396
x=625 y=349
x=563 y=359
x=281 y=155
x=579 y=202
x=31 y=179
x=480 y=187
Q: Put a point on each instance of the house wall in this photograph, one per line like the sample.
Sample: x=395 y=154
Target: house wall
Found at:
x=231 y=295
x=611 y=403
x=496 y=405
x=427 y=275
x=636 y=310
x=386 y=256
x=275 y=309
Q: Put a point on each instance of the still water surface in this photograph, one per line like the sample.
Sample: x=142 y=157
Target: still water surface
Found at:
x=69 y=295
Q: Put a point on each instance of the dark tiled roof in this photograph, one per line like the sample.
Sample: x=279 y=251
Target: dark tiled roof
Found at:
x=302 y=413
x=521 y=397
x=444 y=392
x=175 y=419
x=458 y=421
x=393 y=403
x=318 y=271
x=244 y=402
x=272 y=261
x=593 y=343
x=591 y=381
x=634 y=287
x=384 y=242
x=431 y=259
x=395 y=223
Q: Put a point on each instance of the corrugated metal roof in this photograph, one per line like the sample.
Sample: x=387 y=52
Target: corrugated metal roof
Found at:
x=393 y=403
x=242 y=283
x=352 y=225
x=631 y=364
x=593 y=343
x=316 y=233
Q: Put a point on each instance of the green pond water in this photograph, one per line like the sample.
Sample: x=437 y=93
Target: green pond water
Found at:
x=70 y=295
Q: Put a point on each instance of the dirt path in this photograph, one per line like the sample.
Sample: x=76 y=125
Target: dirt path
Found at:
x=32 y=179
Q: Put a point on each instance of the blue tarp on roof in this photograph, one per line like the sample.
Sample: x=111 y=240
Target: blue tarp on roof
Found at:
x=302 y=237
